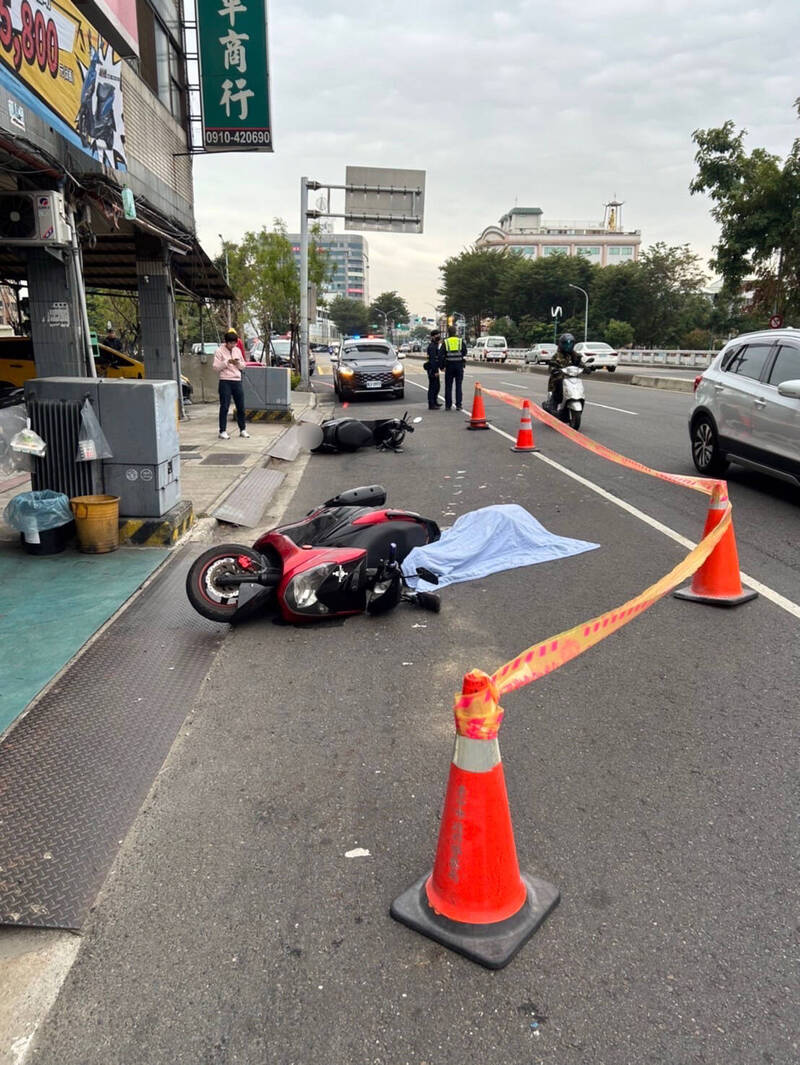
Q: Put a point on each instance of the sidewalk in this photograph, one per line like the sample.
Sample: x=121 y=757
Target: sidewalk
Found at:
x=53 y=605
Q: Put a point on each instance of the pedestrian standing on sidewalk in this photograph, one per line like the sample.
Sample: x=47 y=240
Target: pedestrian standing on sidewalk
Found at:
x=229 y=363
x=455 y=359
x=432 y=367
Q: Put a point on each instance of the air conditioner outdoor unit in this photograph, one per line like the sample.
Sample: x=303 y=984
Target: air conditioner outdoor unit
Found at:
x=35 y=219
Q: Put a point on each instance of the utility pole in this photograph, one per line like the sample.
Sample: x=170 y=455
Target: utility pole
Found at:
x=304 y=187
x=227 y=274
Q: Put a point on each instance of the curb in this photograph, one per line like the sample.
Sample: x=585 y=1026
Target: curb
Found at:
x=158 y=532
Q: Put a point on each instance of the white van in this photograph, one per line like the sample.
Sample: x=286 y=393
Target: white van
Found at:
x=492 y=349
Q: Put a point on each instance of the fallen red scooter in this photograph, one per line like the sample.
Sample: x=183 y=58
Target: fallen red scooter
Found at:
x=343 y=558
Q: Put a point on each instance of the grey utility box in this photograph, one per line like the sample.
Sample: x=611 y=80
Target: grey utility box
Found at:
x=267 y=388
x=140 y=419
x=144 y=490
x=140 y=422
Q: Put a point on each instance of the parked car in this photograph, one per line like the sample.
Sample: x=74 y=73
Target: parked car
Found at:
x=747 y=406
x=490 y=348
x=416 y=345
x=598 y=355
x=281 y=354
x=404 y=349
x=365 y=367
x=540 y=354
x=17 y=364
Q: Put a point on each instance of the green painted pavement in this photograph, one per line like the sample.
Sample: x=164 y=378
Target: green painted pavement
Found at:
x=50 y=605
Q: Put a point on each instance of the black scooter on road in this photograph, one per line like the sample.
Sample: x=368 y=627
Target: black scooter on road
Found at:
x=350 y=434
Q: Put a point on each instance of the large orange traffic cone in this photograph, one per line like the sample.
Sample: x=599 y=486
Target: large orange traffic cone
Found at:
x=718 y=582
x=525 y=434
x=477 y=419
x=476 y=901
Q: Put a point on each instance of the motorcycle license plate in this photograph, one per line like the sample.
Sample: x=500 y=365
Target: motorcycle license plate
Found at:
x=373 y=384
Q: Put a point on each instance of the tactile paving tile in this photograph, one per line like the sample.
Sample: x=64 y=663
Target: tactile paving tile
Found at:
x=246 y=503
x=75 y=771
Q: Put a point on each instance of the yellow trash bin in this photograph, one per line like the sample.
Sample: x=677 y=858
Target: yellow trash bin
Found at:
x=96 y=522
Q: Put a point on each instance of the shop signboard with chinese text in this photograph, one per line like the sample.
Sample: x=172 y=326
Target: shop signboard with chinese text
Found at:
x=58 y=65
x=234 y=75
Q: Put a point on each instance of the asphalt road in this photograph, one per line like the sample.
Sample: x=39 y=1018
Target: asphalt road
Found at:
x=653 y=780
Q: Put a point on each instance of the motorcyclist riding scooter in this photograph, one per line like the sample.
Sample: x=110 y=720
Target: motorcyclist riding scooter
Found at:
x=566 y=363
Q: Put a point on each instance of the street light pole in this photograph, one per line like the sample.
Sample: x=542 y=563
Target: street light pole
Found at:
x=585 y=313
x=227 y=274
x=386 y=318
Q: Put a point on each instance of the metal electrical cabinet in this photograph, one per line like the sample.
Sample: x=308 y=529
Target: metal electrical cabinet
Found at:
x=266 y=387
x=139 y=420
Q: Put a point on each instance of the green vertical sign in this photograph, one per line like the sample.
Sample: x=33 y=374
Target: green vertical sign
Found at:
x=234 y=75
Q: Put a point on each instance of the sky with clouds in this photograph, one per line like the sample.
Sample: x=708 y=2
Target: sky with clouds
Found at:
x=560 y=105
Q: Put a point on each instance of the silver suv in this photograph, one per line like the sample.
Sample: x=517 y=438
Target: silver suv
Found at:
x=747 y=406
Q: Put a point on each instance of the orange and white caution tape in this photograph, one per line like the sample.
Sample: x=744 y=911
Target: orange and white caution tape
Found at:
x=549 y=655
x=699 y=484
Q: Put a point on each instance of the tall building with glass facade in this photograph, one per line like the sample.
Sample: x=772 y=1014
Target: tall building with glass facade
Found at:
x=348 y=254
x=523 y=231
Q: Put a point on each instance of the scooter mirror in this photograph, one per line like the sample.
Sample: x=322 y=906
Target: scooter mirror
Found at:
x=417 y=420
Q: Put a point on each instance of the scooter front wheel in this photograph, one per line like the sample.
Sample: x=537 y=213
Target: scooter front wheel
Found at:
x=575 y=418
x=205 y=581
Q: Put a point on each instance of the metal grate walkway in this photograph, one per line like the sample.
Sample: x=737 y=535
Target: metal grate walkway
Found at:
x=75 y=771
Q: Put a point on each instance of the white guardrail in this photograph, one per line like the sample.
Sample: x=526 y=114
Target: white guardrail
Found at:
x=649 y=357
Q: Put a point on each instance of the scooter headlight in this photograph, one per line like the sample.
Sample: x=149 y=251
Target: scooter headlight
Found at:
x=330 y=583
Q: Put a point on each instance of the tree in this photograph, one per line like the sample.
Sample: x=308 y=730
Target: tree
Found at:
x=757 y=205
x=265 y=278
x=618 y=334
x=121 y=310
x=388 y=307
x=670 y=301
x=349 y=316
x=470 y=283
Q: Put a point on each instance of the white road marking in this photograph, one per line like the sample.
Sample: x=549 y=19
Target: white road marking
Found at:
x=511 y=384
x=769 y=593
x=635 y=413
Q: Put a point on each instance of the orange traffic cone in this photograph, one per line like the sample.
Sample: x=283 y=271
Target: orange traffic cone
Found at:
x=717 y=582
x=475 y=901
x=477 y=419
x=525 y=434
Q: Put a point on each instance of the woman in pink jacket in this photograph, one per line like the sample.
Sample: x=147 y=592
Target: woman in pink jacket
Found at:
x=229 y=363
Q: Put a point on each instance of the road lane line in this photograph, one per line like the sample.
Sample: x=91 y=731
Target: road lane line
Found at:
x=769 y=593
x=635 y=413
x=512 y=385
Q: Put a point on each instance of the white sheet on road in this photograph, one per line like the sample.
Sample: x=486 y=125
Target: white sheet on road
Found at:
x=487 y=541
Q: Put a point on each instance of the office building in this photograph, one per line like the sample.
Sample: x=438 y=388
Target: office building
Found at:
x=348 y=254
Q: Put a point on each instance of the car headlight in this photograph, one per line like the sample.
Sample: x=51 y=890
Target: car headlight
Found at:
x=345 y=371
x=397 y=370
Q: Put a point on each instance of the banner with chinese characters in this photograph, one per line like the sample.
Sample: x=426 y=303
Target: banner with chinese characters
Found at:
x=234 y=75
x=59 y=66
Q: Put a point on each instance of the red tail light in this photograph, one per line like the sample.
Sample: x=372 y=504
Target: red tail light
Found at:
x=697 y=381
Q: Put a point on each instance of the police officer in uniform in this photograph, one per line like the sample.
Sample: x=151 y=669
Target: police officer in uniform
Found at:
x=432 y=367
x=455 y=355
